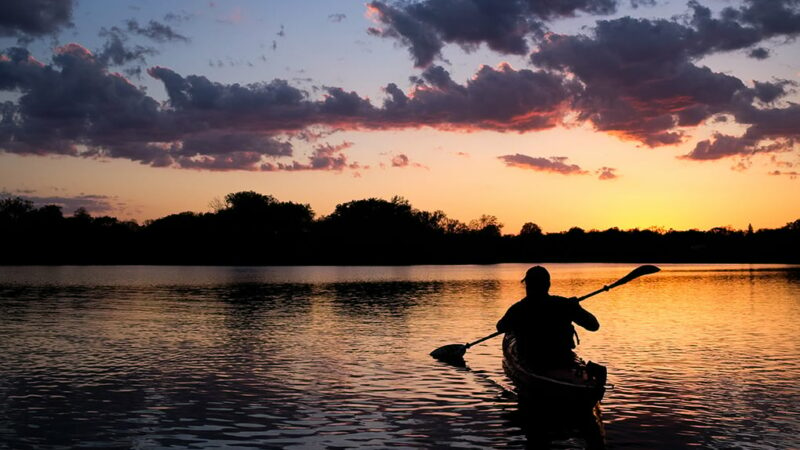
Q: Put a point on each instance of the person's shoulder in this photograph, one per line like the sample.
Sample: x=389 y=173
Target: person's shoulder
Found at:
x=520 y=303
x=559 y=300
x=563 y=303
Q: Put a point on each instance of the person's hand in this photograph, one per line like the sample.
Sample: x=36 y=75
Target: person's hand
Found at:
x=573 y=301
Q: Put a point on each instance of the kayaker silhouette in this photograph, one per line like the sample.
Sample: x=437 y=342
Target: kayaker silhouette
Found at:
x=542 y=323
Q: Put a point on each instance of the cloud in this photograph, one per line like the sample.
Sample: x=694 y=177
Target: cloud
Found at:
x=324 y=157
x=759 y=53
x=337 y=17
x=94 y=204
x=791 y=174
x=402 y=160
x=553 y=164
x=751 y=143
x=500 y=99
x=222 y=141
x=156 y=31
x=776 y=129
x=227 y=150
x=59 y=109
x=770 y=17
x=620 y=80
x=779 y=163
x=117 y=52
x=639 y=80
x=726 y=33
x=233 y=160
x=606 y=173
x=504 y=26
x=34 y=18
x=721 y=146
x=178 y=17
x=77 y=107
x=769 y=92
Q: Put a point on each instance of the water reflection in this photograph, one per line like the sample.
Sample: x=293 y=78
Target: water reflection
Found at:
x=544 y=430
x=703 y=356
x=385 y=299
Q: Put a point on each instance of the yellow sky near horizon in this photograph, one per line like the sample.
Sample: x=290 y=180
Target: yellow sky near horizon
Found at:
x=460 y=174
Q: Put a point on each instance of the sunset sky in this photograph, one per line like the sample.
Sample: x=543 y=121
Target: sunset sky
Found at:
x=589 y=113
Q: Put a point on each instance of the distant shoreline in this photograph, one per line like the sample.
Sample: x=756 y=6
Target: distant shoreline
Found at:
x=251 y=229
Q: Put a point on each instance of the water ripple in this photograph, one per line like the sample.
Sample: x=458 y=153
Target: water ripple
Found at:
x=333 y=363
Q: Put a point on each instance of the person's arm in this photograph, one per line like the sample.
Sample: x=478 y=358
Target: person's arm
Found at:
x=504 y=324
x=583 y=317
x=507 y=322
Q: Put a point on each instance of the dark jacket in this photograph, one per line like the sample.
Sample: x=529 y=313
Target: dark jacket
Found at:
x=543 y=325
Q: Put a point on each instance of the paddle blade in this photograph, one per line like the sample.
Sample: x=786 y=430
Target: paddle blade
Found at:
x=635 y=273
x=453 y=353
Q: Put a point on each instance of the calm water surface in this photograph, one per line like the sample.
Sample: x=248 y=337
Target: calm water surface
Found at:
x=337 y=357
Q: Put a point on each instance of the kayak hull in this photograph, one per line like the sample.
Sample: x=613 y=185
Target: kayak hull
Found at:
x=573 y=386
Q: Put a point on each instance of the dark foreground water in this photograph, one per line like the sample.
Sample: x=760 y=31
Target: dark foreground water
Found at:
x=335 y=357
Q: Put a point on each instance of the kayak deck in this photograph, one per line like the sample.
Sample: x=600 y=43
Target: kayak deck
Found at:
x=576 y=385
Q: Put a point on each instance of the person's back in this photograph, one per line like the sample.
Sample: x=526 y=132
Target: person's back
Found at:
x=542 y=323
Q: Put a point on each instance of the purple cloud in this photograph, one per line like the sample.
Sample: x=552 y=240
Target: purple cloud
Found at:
x=721 y=146
x=637 y=79
x=156 y=31
x=500 y=98
x=504 y=26
x=607 y=173
x=33 y=18
x=640 y=80
x=324 y=157
x=117 y=52
x=76 y=106
x=553 y=164
x=402 y=160
x=791 y=174
x=759 y=53
x=94 y=204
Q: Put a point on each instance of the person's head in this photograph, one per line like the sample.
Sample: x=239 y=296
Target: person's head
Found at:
x=537 y=281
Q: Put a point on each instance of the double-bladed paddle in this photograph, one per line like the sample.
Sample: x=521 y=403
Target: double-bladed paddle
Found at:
x=454 y=353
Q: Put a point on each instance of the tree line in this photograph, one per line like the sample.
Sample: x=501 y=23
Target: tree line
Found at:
x=249 y=228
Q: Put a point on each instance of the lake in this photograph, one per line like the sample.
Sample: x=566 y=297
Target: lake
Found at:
x=702 y=356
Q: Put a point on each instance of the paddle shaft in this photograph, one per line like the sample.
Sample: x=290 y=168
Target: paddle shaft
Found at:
x=496 y=333
x=602 y=289
x=619 y=282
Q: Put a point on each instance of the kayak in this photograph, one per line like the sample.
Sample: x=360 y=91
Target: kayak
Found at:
x=577 y=386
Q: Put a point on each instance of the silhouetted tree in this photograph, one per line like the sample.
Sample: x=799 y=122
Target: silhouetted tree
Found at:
x=530 y=229
x=14 y=209
x=486 y=225
x=252 y=228
x=377 y=231
x=261 y=228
